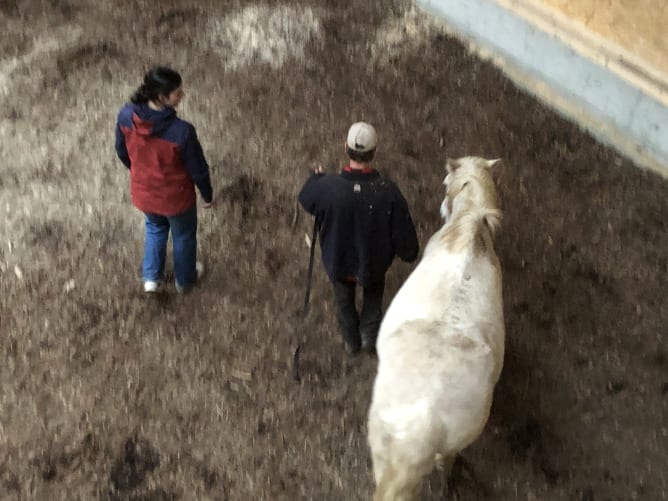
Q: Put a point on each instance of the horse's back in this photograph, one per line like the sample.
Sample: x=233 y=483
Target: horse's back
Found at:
x=440 y=347
x=447 y=287
x=426 y=293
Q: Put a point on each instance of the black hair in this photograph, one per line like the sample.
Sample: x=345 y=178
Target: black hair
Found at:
x=360 y=156
x=158 y=81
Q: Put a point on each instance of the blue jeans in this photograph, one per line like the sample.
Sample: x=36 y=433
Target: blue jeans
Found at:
x=184 y=240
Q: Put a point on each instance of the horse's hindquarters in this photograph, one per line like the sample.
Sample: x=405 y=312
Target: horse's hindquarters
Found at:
x=429 y=369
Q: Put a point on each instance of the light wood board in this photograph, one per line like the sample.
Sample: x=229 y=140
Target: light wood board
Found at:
x=638 y=26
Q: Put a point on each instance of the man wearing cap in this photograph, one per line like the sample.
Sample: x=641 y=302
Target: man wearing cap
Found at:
x=364 y=222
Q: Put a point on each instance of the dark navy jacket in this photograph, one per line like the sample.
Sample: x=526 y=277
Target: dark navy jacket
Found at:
x=364 y=223
x=165 y=159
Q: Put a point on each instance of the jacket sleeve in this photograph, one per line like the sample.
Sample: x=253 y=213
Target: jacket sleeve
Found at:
x=404 y=236
x=193 y=159
x=121 y=148
x=309 y=195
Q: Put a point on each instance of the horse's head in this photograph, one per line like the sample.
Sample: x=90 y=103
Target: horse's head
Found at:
x=470 y=185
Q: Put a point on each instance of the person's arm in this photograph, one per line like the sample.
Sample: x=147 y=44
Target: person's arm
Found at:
x=196 y=165
x=404 y=236
x=310 y=192
x=121 y=148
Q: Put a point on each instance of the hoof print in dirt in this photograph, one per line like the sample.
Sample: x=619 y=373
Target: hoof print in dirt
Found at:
x=84 y=56
x=615 y=387
x=173 y=19
x=527 y=441
x=586 y=494
x=13 y=113
x=243 y=191
x=261 y=428
x=19 y=8
x=137 y=459
x=550 y=287
x=161 y=299
x=46 y=235
x=523 y=436
x=273 y=262
x=552 y=475
x=521 y=308
x=660 y=359
x=176 y=24
x=210 y=477
x=48 y=471
x=10 y=8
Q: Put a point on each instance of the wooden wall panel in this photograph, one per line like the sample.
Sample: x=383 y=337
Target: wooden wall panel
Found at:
x=638 y=26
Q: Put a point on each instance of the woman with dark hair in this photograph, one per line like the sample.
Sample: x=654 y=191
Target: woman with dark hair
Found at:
x=166 y=162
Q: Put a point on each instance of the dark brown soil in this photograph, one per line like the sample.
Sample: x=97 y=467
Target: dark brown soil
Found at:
x=108 y=394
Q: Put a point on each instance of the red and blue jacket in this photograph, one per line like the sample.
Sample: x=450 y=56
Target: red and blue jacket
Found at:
x=165 y=159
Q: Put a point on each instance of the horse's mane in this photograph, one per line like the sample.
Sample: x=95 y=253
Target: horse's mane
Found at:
x=477 y=216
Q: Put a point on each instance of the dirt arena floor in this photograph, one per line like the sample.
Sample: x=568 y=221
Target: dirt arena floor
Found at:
x=108 y=394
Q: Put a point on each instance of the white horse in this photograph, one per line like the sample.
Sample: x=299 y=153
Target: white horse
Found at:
x=441 y=342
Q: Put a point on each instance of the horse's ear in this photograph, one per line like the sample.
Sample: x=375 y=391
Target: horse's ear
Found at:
x=493 y=163
x=452 y=164
x=495 y=169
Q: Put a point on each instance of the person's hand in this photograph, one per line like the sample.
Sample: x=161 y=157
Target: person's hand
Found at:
x=209 y=205
x=318 y=170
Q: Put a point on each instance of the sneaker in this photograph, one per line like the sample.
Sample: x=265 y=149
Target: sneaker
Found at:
x=151 y=286
x=199 y=267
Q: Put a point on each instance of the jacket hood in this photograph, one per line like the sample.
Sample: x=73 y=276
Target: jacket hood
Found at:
x=149 y=122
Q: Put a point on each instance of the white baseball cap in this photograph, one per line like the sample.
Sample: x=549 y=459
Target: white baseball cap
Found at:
x=362 y=137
